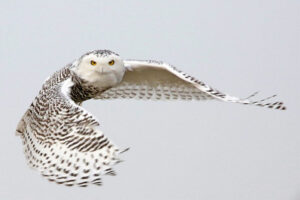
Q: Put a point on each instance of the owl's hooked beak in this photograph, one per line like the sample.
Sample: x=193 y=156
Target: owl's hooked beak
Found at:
x=100 y=69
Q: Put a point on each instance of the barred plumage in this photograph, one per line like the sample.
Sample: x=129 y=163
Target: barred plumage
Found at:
x=63 y=141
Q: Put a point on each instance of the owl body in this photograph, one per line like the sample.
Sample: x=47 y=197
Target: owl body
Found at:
x=64 y=142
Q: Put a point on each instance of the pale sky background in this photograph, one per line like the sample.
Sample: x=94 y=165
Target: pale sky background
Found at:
x=179 y=150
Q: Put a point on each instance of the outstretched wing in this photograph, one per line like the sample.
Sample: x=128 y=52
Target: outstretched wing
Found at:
x=62 y=140
x=158 y=80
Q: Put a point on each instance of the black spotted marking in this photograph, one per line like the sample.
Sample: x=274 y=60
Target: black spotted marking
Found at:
x=85 y=177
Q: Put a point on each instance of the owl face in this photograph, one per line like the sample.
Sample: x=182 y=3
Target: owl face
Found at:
x=101 y=67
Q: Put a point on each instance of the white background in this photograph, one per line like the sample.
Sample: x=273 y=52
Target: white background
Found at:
x=179 y=150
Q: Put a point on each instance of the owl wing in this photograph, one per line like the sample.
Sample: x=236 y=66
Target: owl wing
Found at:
x=64 y=141
x=161 y=81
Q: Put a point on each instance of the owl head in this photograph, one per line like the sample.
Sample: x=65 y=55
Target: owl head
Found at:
x=102 y=67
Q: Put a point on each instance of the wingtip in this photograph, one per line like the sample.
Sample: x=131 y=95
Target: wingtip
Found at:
x=278 y=105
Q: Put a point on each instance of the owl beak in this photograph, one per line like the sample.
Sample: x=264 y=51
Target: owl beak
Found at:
x=100 y=69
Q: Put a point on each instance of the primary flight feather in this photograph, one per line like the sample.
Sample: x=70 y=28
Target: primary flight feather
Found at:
x=63 y=141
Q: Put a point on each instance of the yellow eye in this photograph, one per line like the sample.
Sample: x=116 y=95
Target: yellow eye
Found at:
x=93 y=62
x=111 y=62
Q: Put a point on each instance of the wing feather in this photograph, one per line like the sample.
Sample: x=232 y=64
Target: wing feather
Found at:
x=64 y=141
x=156 y=80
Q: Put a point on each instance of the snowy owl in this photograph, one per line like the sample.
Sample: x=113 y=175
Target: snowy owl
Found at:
x=64 y=142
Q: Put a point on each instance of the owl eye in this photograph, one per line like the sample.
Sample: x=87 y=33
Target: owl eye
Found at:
x=93 y=62
x=111 y=62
